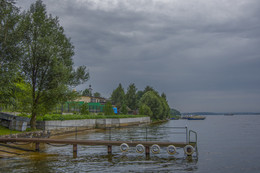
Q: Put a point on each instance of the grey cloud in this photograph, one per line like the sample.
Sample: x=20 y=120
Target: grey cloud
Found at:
x=204 y=55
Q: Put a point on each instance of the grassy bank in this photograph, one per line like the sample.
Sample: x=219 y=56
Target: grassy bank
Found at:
x=50 y=117
x=6 y=131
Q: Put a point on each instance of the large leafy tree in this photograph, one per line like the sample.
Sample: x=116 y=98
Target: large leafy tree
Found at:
x=47 y=60
x=151 y=99
x=158 y=105
x=97 y=94
x=165 y=108
x=118 y=96
x=108 y=109
x=9 y=50
x=131 y=97
x=86 y=92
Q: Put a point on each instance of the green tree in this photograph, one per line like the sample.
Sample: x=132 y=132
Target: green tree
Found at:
x=124 y=109
x=175 y=112
x=97 y=94
x=84 y=109
x=86 y=92
x=9 y=50
x=148 y=88
x=108 y=109
x=166 y=109
x=118 y=96
x=152 y=100
x=131 y=97
x=139 y=95
x=47 y=60
x=145 y=110
x=163 y=95
x=22 y=95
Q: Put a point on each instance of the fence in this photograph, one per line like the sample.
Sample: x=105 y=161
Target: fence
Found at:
x=67 y=107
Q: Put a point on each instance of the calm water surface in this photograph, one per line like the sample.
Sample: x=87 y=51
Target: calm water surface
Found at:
x=225 y=143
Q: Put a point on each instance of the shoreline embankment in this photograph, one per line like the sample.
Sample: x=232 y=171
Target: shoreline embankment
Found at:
x=60 y=127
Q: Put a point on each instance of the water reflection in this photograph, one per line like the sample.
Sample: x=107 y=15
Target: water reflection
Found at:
x=59 y=158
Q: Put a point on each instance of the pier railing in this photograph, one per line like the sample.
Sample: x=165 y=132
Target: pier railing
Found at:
x=109 y=136
x=132 y=133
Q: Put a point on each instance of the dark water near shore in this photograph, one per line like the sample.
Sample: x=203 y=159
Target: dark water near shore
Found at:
x=225 y=144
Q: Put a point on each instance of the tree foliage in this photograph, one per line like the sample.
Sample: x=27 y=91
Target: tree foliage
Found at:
x=131 y=97
x=97 y=94
x=152 y=100
x=86 y=92
x=145 y=110
x=84 y=109
x=46 y=61
x=175 y=112
x=118 y=96
x=165 y=108
x=108 y=109
x=9 y=50
x=124 y=109
x=148 y=101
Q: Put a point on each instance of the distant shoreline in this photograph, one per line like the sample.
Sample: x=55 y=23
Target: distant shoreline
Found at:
x=222 y=113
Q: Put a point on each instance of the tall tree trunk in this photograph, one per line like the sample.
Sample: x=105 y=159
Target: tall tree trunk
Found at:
x=33 y=120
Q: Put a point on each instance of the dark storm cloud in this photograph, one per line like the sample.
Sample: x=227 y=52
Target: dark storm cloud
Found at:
x=203 y=54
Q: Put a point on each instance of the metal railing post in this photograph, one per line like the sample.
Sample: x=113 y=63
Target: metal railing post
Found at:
x=110 y=133
x=76 y=135
x=146 y=133
x=187 y=135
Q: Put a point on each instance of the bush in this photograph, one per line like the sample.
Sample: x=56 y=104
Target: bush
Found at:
x=108 y=109
x=124 y=109
x=145 y=110
x=50 y=117
x=84 y=109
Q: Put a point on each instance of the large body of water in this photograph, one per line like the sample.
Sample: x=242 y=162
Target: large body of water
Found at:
x=225 y=144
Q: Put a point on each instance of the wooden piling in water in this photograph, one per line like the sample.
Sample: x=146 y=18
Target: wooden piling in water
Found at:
x=109 y=149
x=75 y=152
x=147 y=151
x=37 y=146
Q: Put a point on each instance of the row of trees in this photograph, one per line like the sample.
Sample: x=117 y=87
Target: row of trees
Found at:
x=36 y=67
x=88 y=92
x=147 y=102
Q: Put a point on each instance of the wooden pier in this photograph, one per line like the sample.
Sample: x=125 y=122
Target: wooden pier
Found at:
x=108 y=143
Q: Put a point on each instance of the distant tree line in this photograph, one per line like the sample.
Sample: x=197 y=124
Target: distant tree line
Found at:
x=147 y=102
x=175 y=112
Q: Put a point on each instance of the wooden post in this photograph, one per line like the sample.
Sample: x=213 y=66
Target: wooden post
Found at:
x=147 y=150
x=74 y=150
x=109 y=149
x=37 y=146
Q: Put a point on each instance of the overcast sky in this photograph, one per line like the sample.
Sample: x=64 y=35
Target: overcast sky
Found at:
x=204 y=54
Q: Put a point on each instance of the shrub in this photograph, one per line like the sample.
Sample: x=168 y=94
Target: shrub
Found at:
x=108 y=109
x=84 y=109
x=124 y=109
x=145 y=110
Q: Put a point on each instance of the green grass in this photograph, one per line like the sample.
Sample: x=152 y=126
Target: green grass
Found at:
x=50 y=117
x=6 y=131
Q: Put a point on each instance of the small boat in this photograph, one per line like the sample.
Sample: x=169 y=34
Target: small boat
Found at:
x=185 y=117
x=229 y=114
x=196 y=117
